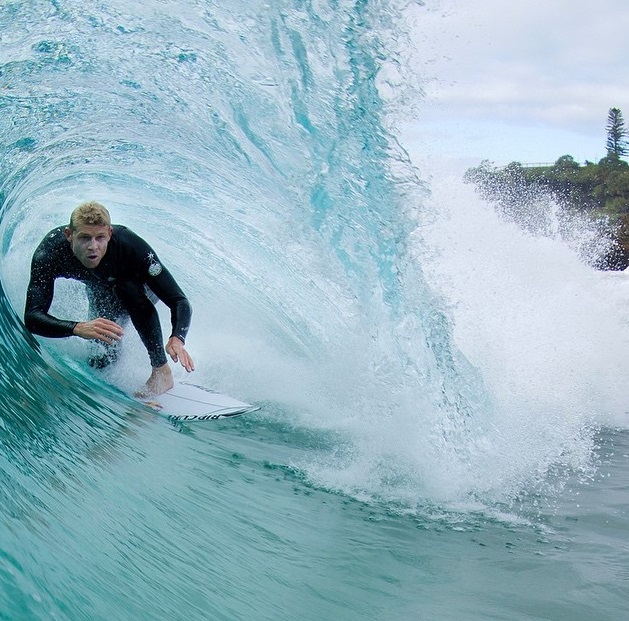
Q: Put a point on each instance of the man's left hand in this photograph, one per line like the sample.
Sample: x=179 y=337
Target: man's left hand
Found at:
x=176 y=350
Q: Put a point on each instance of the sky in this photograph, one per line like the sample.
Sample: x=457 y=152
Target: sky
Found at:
x=518 y=80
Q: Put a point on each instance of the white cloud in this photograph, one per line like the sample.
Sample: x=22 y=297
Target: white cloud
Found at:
x=559 y=64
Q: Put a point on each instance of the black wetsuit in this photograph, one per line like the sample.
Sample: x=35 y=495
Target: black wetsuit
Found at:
x=118 y=288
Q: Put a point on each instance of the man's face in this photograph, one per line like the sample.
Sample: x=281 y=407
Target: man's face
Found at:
x=89 y=243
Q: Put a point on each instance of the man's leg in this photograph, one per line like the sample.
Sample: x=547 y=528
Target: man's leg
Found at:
x=145 y=319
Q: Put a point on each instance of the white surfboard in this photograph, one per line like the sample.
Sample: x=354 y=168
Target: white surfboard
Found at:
x=189 y=402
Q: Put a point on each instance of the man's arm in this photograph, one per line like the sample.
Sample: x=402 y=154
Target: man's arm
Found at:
x=38 y=321
x=167 y=290
x=38 y=300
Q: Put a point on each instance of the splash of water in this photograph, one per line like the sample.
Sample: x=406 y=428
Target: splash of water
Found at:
x=248 y=144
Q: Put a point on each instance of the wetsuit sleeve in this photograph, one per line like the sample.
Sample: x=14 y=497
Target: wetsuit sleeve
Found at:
x=39 y=298
x=168 y=291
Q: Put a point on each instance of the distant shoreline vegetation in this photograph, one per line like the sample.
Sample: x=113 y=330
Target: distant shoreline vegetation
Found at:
x=592 y=197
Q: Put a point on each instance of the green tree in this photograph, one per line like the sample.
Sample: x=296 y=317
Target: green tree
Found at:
x=616 y=134
x=596 y=194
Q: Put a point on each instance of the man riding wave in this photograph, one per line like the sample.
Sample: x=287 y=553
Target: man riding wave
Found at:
x=123 y=278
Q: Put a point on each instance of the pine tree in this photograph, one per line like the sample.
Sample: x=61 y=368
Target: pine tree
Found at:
x=616 y=134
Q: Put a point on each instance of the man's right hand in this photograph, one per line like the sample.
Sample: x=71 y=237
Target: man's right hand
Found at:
x=100 y=329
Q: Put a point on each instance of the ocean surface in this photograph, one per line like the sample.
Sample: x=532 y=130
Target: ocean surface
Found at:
x=443 y=431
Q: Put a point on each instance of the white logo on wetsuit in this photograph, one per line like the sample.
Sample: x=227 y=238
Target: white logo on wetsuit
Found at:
x=155 y=268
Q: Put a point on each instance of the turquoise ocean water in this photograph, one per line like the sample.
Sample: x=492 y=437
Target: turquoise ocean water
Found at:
x=443 y=432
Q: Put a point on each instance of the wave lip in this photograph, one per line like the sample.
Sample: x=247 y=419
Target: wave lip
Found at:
x=256 y=154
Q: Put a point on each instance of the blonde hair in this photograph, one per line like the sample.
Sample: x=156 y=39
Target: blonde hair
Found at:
x=90 y=213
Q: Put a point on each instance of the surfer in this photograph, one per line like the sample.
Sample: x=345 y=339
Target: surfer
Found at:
x=123 y=278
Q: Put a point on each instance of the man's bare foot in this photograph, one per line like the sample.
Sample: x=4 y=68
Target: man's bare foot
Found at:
x=160 y=381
